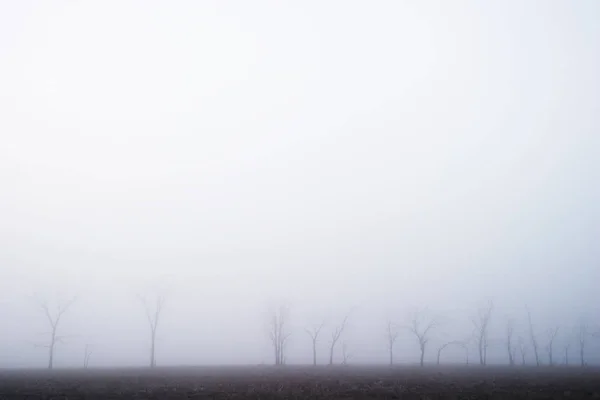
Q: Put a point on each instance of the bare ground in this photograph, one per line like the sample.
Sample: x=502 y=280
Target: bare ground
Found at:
x=291 y=382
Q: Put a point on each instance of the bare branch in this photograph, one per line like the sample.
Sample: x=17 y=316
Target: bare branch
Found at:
x=481 y=323
x=335 y=336
x=443 y=346
x=421 y=331
x=53 y=321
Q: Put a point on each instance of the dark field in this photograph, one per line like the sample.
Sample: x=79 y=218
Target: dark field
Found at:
x=292 y=382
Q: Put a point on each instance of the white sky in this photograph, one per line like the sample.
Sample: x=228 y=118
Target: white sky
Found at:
x=329 y=154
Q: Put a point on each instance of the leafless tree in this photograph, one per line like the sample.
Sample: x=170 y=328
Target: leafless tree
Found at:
x=552 y=332
x=314 y=335
x=392 y=336
x=153 y=315
x=482 y=322
x=532 y=337
x=421 y=330
x=582 y=335
x=345 y=355
x=278 y=334
x=443 y=346
x=509 y=347
x=567 y=346
x=522 y=349
x=54 y=319
x=87 y=352
x=464 y=344
x=335 y=336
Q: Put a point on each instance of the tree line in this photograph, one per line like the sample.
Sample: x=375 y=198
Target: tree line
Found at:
x=420 y=326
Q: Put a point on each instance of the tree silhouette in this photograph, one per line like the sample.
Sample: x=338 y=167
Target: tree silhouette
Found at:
x=153 y=315
x=314 y=335
x=335 y=336
x=54 y=319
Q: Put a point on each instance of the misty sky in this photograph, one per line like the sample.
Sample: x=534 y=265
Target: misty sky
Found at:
x=334 y=156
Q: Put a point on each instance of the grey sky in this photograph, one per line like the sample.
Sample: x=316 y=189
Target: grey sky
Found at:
x=377 y=155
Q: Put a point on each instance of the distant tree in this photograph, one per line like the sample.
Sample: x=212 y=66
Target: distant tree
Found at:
x=509 y=346
x=532 y=337
x=464 y=344
x=567 y=346
x=153 y=314
x=314 y=335
x=421 y=329
x=522 y=349
x=482 y=323
x=443 y=346
x=279 y=334
x=582 y=336
x=335 y=336
x=346 y=356
x=551 y=333
x=54 y=319
x=87 y=352
x=392 y=336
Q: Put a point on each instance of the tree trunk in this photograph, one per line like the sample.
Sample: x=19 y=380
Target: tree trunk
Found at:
x=51 y=348
x=422 y=354
x=152 y=349
x=535 y=353
x=485 y=352
x=314 y=352
x=331 y=354
x=51 y=356
x=391 y=355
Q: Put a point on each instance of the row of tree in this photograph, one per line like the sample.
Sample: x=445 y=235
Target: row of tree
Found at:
x=420 y=326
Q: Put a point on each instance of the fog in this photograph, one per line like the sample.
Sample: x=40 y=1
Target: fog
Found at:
x=340 y=158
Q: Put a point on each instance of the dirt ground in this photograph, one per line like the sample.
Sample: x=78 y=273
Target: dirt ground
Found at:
x=289 y=382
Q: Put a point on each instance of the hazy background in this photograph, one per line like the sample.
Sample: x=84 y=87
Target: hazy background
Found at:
x=338 y=155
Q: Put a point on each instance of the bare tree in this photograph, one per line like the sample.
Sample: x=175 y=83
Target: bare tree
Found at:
x=532 y=337
x=335 y=336
x=278 y=334
x=552 y=332
x=345 y=355
x=522 y=349
x=392 y=336
x=582 y=335
x=509 y=347
x=421 y=330
x=567 y=346
x=314 y=334
x=87 y=352
x=153 y=315
x=54 y=320
x=464 y=344
x=482 y=322
x=443 y=346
